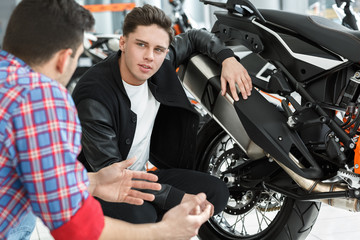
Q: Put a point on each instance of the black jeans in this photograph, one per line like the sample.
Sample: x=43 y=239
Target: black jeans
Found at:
x=188 y=181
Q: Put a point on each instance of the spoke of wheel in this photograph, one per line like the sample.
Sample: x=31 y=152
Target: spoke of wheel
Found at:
x=259 y=222
x=233 y=227
x=267 y=202
x=242 y=219
x=264 y=217
x=243 y=228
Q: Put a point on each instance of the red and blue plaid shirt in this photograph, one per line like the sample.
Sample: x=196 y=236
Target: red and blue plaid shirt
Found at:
x=39 y=141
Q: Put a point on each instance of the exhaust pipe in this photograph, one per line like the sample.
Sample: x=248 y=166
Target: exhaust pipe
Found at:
x=350 y=204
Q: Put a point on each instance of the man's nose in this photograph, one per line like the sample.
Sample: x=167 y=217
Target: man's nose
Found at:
x=149 y=54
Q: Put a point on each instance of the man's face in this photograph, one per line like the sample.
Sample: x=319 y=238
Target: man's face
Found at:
x=70 y=67
x=143 y=53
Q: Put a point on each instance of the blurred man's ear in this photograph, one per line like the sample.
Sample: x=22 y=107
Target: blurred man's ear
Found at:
x=122 y=43
x=62 y=59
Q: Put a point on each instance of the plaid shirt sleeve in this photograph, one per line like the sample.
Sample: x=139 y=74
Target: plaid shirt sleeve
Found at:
x=47 y=141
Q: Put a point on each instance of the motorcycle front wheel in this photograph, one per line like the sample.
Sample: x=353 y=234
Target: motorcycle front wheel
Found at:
x=250 y=213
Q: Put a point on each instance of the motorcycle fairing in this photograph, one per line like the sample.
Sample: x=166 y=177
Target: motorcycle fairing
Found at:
x=201 y=77
x=256 y=117
x=282 y=45
x=267 y=127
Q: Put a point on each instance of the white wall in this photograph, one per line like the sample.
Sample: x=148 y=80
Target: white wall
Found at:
x=6 y=8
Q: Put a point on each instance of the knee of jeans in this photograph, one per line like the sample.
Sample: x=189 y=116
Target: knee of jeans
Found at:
x=24 y=229
x=218 y=195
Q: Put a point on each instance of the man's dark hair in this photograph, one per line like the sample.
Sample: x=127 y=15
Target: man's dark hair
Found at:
x=146 y=16
x=37 y=29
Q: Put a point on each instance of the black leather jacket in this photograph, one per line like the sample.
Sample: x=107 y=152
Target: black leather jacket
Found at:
x=108 y=123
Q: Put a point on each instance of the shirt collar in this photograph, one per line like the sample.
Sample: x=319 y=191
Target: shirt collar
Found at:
x=6 y=56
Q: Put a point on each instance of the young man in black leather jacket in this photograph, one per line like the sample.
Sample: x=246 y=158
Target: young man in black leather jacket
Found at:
x=132 y=104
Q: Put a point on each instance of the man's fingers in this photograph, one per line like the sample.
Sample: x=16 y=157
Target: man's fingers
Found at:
x=233 y=91
x=127 y=163
x=144 y=176
x=243 y=91
x=248 y=79
x=141 y=195
x=247 y=82
x=223 y=85
x=206 y=214
x=145 y=185
x=133 y=201
x=245 y=86
x=194 y=202
x=211 y=209
x=195 y=211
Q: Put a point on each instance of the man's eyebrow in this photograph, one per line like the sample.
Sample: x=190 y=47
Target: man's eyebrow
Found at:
x=144 y=42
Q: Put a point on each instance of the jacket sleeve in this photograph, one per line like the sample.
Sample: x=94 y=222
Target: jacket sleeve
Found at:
x=197 y=40
x=99 y=140
x=100 y=147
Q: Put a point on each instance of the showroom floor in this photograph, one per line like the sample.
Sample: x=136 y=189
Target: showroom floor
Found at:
x=332 y=224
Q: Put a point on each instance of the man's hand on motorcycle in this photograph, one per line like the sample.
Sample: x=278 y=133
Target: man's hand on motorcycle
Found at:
x=116 y=183
x=236 y=76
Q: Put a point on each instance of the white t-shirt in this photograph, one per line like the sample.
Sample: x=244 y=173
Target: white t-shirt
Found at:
x=145 y=106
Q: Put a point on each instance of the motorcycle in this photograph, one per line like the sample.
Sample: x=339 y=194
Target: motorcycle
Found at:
x=181 y=22
x=294 y=143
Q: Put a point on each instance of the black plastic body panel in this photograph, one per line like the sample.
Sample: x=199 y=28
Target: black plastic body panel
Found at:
x=267 y=127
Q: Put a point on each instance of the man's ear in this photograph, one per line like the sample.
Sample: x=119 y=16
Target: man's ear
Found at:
x=122 y=43
x=63 y=59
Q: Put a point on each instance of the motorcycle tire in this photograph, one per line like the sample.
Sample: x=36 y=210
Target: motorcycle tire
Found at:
x=290 y=219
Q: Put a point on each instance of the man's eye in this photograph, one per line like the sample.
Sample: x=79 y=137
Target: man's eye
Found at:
x=141 y=44
x=159 y=50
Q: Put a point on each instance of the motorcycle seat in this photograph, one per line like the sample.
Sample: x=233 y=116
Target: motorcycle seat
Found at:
x=333 y=36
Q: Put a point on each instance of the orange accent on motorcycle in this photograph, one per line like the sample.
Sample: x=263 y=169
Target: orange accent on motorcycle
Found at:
x=357 y=158
x=177 y=29
x=270 y=95
x=114 y=7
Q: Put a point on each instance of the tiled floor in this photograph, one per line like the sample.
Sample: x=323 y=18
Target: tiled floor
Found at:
x=332 y=224
x=335 y=224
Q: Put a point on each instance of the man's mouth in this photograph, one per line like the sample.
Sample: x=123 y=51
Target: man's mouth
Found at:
x=145 y=66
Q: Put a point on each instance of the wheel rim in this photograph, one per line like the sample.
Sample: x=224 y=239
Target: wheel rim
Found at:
x=249 y=212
